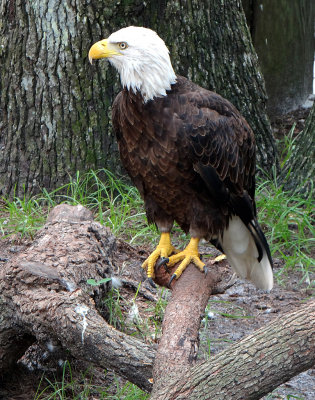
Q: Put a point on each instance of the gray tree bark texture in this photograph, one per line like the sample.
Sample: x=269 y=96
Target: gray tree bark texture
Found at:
x=283 y=36
x=55 y=108
x=44 y=297
x=299 y=171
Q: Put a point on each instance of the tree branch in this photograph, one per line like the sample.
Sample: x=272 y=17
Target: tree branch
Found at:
x=178 y=347
x=254 y=366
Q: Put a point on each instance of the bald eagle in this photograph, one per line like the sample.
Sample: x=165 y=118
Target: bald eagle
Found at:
x=191 y=155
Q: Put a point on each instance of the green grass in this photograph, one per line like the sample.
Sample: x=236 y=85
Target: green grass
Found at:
x=123 y=313
x=288 y=222
x=287 y=218
x=21 y=216
x=113 y=201
x=68 y=388
x=240 y=312
x=274 y=395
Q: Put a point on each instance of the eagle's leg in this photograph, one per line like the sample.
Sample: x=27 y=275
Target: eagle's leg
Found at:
x=189 y=255
x=163 y=250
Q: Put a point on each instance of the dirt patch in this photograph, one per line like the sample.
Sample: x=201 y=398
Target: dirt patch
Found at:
x=281 y=125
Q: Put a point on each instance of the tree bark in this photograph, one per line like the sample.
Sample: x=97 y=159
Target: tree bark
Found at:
x=178 y=348
x=55 y=108
x=44 y=297
x=254 y=366
x=299 y=170
x=55 y=119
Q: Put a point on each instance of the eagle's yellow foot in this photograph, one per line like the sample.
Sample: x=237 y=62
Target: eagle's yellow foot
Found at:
x=163 y=250
x=189 y=255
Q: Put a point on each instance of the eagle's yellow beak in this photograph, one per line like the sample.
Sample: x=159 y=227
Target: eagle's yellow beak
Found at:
x=102 y=49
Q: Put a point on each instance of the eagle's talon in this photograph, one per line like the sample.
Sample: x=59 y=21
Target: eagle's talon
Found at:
x=160 y=255
x=205 y=270
x=152 y=283
x=162 y=261
x=166 y=269
x=174 y=276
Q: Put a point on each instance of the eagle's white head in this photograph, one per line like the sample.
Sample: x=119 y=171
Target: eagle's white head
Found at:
x=141 y=58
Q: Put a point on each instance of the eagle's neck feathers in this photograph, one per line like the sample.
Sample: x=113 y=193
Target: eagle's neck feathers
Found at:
x=145 y=65
x=152 y=78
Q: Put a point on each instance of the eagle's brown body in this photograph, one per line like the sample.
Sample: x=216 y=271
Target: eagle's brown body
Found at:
x=191 y=155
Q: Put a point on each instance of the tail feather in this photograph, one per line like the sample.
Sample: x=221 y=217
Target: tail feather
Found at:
x=248 y=252
x=260 y=240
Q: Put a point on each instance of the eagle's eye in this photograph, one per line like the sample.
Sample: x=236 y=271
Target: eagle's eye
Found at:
x=122 y=45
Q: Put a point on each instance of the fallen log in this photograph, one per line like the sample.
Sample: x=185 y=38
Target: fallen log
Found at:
x=178 y=347
x=45 y=298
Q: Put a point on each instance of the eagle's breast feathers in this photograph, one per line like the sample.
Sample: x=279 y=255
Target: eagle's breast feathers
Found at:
x=186 y=150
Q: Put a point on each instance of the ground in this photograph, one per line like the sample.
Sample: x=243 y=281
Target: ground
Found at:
x=229 y=317
x=282 y=124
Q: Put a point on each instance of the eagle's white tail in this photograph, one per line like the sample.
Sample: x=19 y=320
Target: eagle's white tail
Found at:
x=241 y=251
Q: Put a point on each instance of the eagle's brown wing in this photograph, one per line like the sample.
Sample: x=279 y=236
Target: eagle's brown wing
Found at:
x=222 y=150
x=222 y=145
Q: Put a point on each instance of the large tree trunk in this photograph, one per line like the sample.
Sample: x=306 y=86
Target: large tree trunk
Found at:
x=54 y=118
x=55 y=108
x=283 y=36
x=44 y=298
x=299 y=170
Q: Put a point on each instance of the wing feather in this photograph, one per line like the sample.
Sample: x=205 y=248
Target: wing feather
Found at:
x=223 y=154
x=220 y=139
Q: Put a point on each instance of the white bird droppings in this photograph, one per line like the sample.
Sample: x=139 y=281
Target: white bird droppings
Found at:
x=83 y=310
x=50 y=346
x=116 y=282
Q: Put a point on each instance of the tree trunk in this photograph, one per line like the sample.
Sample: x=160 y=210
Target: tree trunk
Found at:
x=54 y=117
x=55 y=107
x=286 y=56
x=299 y=170
x=44 y=298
